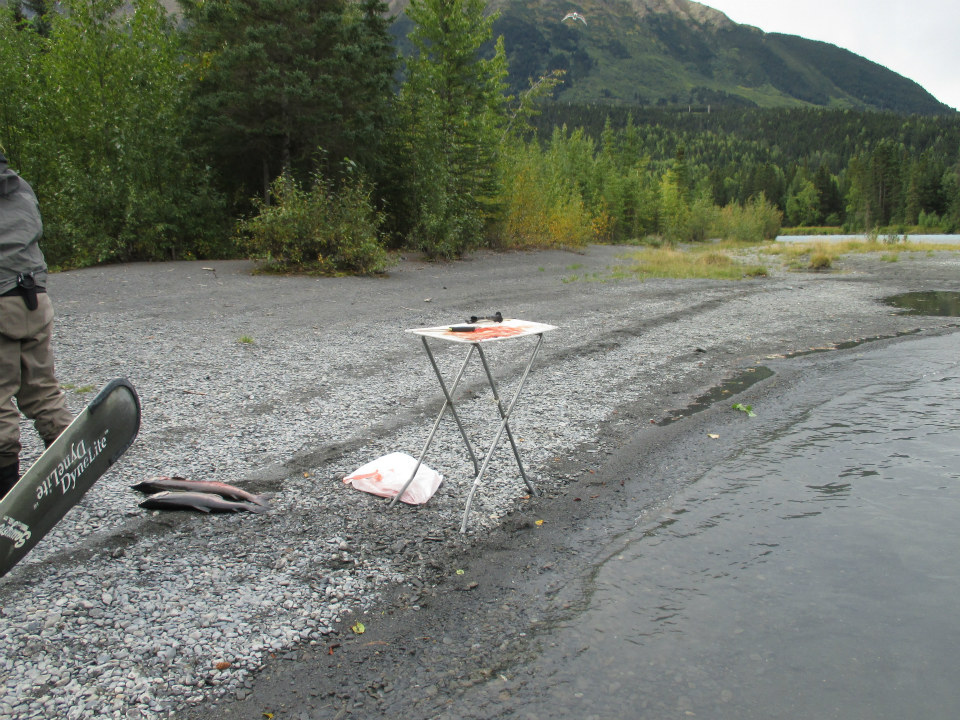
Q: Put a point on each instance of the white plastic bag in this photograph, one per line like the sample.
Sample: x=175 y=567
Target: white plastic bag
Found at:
x=386 y=475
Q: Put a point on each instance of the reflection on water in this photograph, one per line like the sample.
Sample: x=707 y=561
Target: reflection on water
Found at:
x=727 y=389
x=813 y=576
x=928 y=302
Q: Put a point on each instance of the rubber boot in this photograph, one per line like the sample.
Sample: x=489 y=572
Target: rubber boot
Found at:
x=9 y=475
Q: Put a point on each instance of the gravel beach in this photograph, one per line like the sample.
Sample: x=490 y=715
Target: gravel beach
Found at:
x=283 y=385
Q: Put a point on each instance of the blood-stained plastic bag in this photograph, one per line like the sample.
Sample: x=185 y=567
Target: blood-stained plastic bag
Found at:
x=386 y=475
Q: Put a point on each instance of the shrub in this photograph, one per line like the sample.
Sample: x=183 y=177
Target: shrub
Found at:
x=446 y=228
x=542 y=211
x=820 y=261
x=700 y=221
x=322 y=229
x=927 y=221
x=769 y=218
x=755 y=222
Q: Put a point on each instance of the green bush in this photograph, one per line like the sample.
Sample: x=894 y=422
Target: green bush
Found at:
x=768 y=217
x=756 y=222
x=820 y=261
x=93 y=217
x=931 y=222
x=539 y=209
x=700 y=221
x=323 y=229
x=447 y=227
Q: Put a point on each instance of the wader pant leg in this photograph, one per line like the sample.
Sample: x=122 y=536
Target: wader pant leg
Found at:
x=9 y=384
x=31 y=373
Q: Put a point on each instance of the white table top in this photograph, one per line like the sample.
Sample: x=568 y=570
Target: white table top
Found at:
x=484 y=331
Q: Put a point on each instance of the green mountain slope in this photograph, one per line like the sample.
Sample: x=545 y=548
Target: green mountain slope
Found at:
x=678 y=52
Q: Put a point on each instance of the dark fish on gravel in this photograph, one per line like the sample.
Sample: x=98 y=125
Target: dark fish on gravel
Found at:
x=230 y=492
x=204 y=502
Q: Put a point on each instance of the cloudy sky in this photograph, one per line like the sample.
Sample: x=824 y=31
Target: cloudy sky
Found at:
x=915 y=38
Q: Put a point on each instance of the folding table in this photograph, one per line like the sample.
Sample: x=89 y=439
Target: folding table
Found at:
x=475 y=334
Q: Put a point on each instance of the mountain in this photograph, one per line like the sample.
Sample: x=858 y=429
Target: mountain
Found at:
x=683 y=53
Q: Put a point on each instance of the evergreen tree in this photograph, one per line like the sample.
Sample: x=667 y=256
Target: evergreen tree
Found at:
x=911 y=200
x=368 y=61
x=802 y=202
x=951 y=191
x=829 y=197
x=453 y=110
x=683 y=174
x=768 y=179
x=930 y=190
x=279 y=80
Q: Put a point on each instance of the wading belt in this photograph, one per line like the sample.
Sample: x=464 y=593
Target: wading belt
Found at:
x=28 y=288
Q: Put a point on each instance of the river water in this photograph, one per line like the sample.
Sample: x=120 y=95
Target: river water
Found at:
x=814 y=574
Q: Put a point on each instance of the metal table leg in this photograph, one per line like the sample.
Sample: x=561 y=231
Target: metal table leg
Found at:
x=448 y=402
x=504 y=415
x=504 y=425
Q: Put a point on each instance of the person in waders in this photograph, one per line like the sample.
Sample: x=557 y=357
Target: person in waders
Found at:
x=27 y=380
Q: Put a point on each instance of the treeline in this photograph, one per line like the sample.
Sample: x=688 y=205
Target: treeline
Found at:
x=819 y=167
x=785 y=133
x=290 y=130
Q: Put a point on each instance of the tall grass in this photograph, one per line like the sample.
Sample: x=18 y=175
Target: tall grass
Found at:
x=701 y=262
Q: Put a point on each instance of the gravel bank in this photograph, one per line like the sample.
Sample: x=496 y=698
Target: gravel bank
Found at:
x=283 y=385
